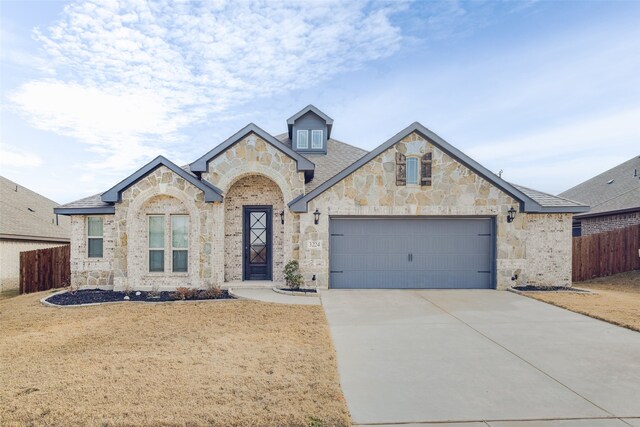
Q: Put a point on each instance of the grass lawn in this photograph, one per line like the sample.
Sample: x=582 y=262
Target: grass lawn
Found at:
x=615 y=299
x=222 y=363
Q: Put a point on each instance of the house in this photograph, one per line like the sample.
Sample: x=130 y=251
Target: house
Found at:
x=27 y=222
x=614 y=197
x=415 y=212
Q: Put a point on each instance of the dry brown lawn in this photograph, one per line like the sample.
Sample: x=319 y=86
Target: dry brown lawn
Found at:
x=223 y=363
x=615 y=299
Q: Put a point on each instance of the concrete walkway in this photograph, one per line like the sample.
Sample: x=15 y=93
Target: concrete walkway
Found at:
x=268 y=295
x=481 y=358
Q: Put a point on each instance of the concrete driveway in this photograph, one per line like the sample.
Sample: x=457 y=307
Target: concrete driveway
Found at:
x=480 y=358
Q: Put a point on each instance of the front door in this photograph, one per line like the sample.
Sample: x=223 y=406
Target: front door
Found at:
x=256 y=236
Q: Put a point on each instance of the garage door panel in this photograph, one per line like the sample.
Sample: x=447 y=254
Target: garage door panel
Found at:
x=445 y=253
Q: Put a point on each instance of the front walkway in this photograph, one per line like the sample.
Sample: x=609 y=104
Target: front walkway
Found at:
x=482 y=358
x=268 y=295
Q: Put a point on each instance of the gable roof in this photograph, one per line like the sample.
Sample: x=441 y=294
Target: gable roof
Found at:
x=339 y=156
x=313 y=109
x=613 y=191
x=27 y=215
x=303 y=164
x=114 y=194
x=527 y=202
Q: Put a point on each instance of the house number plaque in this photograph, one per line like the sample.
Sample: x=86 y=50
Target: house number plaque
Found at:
x=314 y=244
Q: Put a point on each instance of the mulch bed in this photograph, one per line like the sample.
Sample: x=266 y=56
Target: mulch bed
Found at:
x=303 y=291
x=92 y=296
x=530 y=288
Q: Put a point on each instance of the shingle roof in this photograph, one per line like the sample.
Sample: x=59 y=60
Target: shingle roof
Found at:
x=547 y=200
x=614 y=190
x=339 y=156
x=25 y=214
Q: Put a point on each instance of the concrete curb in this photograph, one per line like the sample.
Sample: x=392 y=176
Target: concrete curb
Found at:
x=572 y=291
x=46 y=303
x=297 y=294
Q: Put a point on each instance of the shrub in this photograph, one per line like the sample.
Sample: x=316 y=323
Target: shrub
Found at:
x=183 y=293
x=292 y=275
x=212 y=291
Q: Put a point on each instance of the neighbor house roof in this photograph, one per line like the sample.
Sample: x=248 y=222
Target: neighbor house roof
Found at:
x=614 y=191
x=27 y=215
x=531 y=201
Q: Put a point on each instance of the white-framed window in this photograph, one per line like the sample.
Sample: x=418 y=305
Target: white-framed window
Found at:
x=95 y=237
x=180 y=243
x=303 y=139
x=412 y=170
x=316 y=139
x=156 y=243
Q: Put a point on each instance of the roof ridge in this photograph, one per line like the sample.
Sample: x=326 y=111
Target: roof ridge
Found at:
x=616 y=196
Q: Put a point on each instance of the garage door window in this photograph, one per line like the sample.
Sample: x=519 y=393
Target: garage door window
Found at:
x=412 y=170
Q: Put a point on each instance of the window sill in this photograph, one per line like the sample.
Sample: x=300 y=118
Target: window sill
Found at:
x=165 y=274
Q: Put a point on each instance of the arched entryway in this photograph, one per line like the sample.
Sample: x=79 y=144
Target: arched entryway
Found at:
x=253 y=231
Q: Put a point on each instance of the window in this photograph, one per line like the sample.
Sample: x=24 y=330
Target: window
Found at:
x=316 y=139
x=180 y=242
x=156 y=243
x=95 y=237
x=303 y=139
x=412 y=170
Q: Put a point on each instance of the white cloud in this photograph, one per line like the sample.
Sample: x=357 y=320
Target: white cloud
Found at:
x=131 y=75
x=559 y=157
x=11 y=157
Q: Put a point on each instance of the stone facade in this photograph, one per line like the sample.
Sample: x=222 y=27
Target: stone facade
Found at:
x=600 y=224
x=92 y=272
x=455 y=191
x=534 y=247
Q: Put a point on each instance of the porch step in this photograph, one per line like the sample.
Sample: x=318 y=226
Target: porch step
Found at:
x=248 y=284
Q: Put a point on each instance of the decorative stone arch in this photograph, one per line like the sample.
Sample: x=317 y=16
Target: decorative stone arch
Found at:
x=136 y=229
x=228 y=179
x=254 y=194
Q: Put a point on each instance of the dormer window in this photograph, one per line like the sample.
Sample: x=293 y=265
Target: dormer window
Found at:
x=316 y=139
x=310 y=130
x=303 y=139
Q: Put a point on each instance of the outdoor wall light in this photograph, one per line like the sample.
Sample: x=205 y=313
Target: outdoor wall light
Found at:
x=316 y=217
x=511 y=214
x=282 y=217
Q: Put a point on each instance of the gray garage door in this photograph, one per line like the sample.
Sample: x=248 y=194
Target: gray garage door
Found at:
x=393 y=253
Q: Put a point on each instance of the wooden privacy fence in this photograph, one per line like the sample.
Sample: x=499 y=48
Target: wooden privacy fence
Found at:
x=607 y=253
x=44 y=269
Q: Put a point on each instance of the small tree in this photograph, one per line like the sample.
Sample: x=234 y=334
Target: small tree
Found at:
x=292 y=275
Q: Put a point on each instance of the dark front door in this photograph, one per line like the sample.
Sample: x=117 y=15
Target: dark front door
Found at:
x=256 y=235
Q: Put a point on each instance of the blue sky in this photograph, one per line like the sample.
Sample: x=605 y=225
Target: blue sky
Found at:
x=548 y=92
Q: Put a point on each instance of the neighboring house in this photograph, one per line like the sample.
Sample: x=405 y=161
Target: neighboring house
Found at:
x=27 y=222
x=614 y=198
x=413 y=213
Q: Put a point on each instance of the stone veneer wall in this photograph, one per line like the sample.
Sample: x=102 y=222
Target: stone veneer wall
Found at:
x=456 y=190
x=251 y=190
x=164 y=192
x=92 y=272
x=253 y=157
x=601 y=224
x=548 y=249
